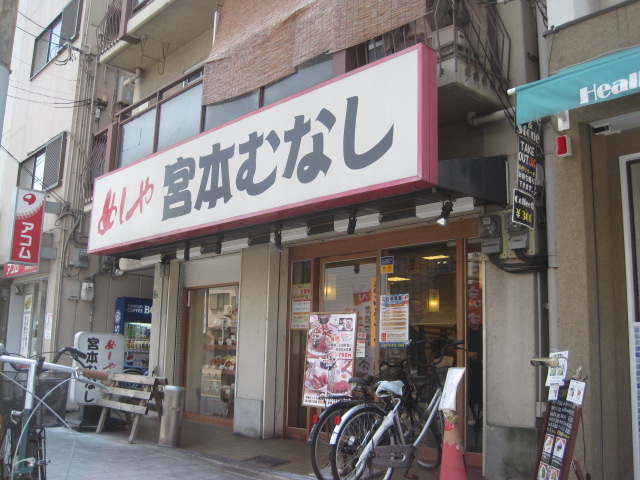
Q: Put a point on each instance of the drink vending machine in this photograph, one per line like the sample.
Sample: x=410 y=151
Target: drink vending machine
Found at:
x=133 y=320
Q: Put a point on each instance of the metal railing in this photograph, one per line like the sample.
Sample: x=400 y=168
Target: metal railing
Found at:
x=473 y=36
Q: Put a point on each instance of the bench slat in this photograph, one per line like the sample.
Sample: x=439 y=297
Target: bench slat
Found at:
x=125 y=407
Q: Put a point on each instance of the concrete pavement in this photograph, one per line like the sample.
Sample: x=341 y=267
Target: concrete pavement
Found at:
x=88 y=456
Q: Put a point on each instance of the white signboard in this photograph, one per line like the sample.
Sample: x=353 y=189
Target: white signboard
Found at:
x=448 y=400
x=365 y=134
x=105 y=352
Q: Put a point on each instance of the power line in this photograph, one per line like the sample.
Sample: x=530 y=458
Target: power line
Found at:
x=78 y=103
x=44 y=94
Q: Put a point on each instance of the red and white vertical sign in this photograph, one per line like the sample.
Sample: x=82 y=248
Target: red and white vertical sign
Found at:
x=27 y=227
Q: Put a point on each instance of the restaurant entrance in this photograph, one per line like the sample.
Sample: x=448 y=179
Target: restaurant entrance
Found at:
x=436 y=268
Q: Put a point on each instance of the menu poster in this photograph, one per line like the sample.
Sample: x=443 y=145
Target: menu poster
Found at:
x=300 y=305
x=394 y=320
x=559 y=430
x=330 y=357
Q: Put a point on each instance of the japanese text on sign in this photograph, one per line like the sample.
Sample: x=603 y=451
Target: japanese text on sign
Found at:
x=319 y=148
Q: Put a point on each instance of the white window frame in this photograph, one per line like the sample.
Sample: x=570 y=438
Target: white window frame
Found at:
x=631 y=232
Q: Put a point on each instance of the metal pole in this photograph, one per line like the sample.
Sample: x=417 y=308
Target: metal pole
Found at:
x=171 y=422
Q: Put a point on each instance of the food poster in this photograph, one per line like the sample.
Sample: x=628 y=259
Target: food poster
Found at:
x=330 y=356
x=394 y=320
x=300 y=305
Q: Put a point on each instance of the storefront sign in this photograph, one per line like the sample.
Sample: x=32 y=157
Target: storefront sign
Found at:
x=15 y=270
x=524 y=209
x=26 y=234
x=330 y=357
x=394 y=320
x=386 y=264
x=105 y=352
x=366 y=134
x=596 y=81
x=529 y=155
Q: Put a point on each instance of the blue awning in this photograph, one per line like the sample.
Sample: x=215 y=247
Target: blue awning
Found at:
x=592 y=82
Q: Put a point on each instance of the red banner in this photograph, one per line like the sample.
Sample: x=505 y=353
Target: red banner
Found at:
x=27 y=227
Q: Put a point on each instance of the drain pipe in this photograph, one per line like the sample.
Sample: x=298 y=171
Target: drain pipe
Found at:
x=475 y=121
x=132 y=79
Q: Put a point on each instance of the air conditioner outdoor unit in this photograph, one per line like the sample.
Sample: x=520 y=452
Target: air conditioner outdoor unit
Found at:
x=124 y=93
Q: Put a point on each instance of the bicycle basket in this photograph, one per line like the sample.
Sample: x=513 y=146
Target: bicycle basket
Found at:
x=391 y=372
x=14 y=386
x=426 y=386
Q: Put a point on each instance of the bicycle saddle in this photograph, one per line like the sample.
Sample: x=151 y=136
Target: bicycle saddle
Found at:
x=390 y=387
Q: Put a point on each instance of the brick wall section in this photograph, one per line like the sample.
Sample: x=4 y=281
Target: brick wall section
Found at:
x=262 y=41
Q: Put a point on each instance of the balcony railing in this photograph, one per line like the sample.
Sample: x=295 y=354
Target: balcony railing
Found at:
x=474 y=37
x=113 y=26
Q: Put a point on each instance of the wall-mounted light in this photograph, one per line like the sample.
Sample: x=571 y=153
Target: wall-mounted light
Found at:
x=447 y=208
x=215 y=247
x=277 y=239
x=433 y=303
x=351 y=227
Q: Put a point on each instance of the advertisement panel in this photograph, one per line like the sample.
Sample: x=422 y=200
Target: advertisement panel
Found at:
x=26 y=234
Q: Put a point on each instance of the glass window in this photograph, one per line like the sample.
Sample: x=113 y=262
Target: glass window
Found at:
x=427 y=274
x=223 y=112
x=47 y=46
x=211 y=351
x=308 y=75
x=300 y=284
x=474 y=343
x=42 y=170
x=180 y=117
x=137 y=138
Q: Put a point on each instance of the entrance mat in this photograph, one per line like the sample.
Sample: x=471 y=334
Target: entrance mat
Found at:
x=267 y=461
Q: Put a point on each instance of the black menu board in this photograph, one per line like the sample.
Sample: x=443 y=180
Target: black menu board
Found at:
x=559 y=430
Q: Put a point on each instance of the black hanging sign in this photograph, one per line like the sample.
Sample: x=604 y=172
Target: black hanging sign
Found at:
x=559 y=431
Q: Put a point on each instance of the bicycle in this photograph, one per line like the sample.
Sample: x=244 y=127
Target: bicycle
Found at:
x=361 y=390
x=23 y=441
x=374 y=440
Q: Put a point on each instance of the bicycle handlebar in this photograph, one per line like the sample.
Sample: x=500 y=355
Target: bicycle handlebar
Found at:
x=94 y=374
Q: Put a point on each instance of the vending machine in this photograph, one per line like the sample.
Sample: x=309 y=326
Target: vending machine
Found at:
x=133 y=320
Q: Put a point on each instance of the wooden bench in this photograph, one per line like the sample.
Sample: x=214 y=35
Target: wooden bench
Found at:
x=134 y=395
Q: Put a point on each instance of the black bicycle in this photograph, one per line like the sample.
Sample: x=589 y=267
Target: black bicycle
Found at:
x=28 y=396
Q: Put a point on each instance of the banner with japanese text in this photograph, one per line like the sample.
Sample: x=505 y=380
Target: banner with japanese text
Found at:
x=333 y=144
x=26 y=227
x=394 y=320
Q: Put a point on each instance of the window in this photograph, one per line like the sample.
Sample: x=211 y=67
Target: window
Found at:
x=180 y=117
x=60 y=32
x=42 y=169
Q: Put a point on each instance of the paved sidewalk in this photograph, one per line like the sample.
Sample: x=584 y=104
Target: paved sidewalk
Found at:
x=88 y=456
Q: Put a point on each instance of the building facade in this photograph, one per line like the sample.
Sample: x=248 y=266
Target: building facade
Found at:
x=244 y=165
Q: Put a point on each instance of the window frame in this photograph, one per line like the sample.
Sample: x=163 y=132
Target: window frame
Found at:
x=52 y=153
x=66 y=24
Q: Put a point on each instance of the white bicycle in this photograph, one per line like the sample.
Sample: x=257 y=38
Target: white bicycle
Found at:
x=371 y=440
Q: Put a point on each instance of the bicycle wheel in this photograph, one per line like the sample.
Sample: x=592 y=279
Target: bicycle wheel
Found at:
x=320 y=437
x=7 y=451
x=429 y=449
x=354 y=434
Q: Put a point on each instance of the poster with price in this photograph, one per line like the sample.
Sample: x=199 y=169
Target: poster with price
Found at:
x=559 y=431
x=330 y=357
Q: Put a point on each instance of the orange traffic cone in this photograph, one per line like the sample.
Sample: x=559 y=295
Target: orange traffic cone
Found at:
x=452 y=466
